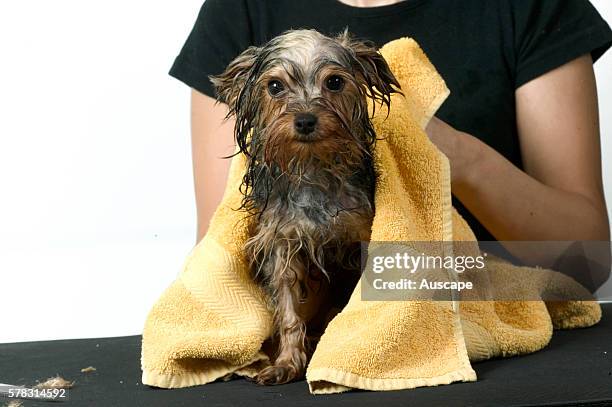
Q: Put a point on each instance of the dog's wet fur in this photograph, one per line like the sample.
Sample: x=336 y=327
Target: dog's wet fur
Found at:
x=302 y=120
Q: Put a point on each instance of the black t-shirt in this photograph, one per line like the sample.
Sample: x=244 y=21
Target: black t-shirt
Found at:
x=484 y=49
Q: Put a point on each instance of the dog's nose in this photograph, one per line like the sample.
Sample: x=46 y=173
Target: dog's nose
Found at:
x=305 y=123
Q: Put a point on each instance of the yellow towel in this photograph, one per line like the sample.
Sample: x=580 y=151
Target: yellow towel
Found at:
x=212 y=320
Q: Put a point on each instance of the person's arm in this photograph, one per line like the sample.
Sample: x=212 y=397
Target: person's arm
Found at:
x=559 y=195
x=212 y=138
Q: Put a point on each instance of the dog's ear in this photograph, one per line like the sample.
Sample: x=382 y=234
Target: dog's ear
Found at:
x=234 y=87
x=230 y=83
x=371 y=68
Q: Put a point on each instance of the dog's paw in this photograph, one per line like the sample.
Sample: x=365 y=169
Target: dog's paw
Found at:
x=278 y=374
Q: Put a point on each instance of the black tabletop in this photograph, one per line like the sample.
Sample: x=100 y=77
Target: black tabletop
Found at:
x=575 y=369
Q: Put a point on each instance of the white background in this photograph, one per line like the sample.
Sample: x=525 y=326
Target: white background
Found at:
x=96 y=205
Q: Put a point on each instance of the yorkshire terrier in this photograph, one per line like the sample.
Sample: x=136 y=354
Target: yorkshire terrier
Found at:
x=302 y=120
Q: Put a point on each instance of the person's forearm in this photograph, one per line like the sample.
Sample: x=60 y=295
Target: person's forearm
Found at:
x=211 y=139
x=513 y=205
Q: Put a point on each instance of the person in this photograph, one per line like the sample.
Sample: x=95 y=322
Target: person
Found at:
x=520 y=127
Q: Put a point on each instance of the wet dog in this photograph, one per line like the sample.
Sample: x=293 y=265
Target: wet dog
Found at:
x=301 y=108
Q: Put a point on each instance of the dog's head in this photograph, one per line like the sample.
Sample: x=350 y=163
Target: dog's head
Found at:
x=304 y=98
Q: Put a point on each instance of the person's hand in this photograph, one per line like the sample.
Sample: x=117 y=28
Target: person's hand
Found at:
x=460 y=148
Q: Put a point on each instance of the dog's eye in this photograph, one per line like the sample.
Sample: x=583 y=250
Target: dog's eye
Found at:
x=334 y=83
x=275 y=87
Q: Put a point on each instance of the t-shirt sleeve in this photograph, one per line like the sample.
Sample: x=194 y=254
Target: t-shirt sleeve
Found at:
x=550 y=33
x=221 y=32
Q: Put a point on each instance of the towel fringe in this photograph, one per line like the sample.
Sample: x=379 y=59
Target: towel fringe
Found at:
x=196 y=378
x=329 y=381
